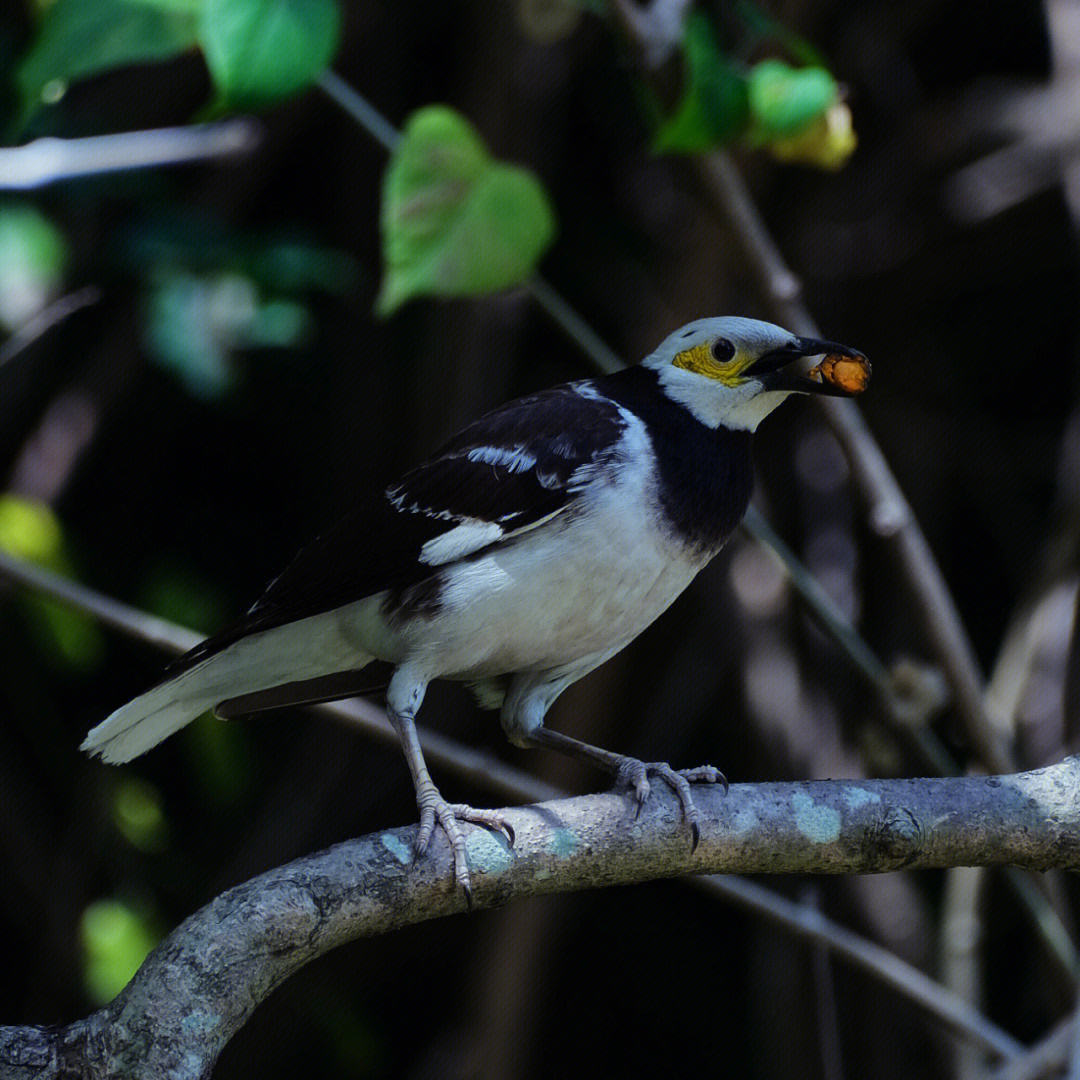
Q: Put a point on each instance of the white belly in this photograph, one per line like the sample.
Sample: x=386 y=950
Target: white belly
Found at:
x=589 y=584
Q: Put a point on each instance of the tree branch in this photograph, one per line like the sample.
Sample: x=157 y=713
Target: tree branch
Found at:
x=201 y=984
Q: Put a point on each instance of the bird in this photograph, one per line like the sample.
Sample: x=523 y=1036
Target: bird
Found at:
x=536 y=544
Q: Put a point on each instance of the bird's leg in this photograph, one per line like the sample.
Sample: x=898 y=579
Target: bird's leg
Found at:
x=433 y=807
x=635 y=773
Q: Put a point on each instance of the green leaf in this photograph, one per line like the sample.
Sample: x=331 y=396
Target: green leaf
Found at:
x=715 y=103
x=456 y=222
x=785 y=100
x=78 y=38
x=259 y=51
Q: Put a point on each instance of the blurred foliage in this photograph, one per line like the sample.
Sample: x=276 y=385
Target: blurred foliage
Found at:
x=138 y=813
x=77 y=39
x=30 y=530
x=196 y=324
x=33 y=258
x=257 y=51
x=715 y=107
x=116 y=939
x=455 y=222
x=785 y=100
x=796 y=112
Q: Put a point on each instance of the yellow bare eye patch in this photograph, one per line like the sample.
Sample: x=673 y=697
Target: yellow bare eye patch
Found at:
x=701 y=361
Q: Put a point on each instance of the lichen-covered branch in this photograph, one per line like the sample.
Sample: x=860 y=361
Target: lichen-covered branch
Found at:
x=202 y=983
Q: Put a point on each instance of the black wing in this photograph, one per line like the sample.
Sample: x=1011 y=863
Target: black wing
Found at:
x=506 y=472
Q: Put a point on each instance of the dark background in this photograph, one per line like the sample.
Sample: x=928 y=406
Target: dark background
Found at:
x=188 y=504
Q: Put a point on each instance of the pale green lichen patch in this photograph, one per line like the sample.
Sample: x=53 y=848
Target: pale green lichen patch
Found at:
x=854 y=797
x=563 y=843
x=200 y=1023
x=746 y=821
x=488 y=852
x=819 y=824
x=397 y=847
x=542 y=874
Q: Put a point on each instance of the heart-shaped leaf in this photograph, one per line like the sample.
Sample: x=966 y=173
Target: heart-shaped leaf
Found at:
x=259 y=51
x=785 y=100
x=455 y=221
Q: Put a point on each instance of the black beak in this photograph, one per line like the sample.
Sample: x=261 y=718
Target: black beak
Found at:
x=768 y=368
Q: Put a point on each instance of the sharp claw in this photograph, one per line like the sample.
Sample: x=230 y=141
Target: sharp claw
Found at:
x=695 y=836
x=722 y=779
x=510 y=834
x=422 y=838
x=467 y=890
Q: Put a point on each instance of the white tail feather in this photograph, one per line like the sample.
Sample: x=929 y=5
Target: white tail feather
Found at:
x=143 y=723
x=300 y=650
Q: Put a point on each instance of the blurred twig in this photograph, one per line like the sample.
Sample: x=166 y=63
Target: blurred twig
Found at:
x=359 y=108
x=44 y=320
x=485 y=770
x=658 y=25
x=865 y=955
x=49 y=160
x=961 y=961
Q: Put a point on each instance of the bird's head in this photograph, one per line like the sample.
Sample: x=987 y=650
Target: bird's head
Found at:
x=735 y=371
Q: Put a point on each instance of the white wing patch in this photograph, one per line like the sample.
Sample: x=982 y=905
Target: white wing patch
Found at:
x=471 y=535
x=515 y=459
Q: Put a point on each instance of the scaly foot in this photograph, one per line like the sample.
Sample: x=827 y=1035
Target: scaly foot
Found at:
x=635 y=774
x=434 y=808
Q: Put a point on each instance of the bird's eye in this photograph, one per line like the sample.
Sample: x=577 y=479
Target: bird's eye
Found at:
x=722 y=350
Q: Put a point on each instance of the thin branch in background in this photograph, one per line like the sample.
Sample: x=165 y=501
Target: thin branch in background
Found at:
x=1074 y=1053
x=44 y=320
x=868 y=956
x=50 y=160
x=830 y=1045
x=960 y=937
x=354 y=103
x=575 y=327
x=485 y=770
